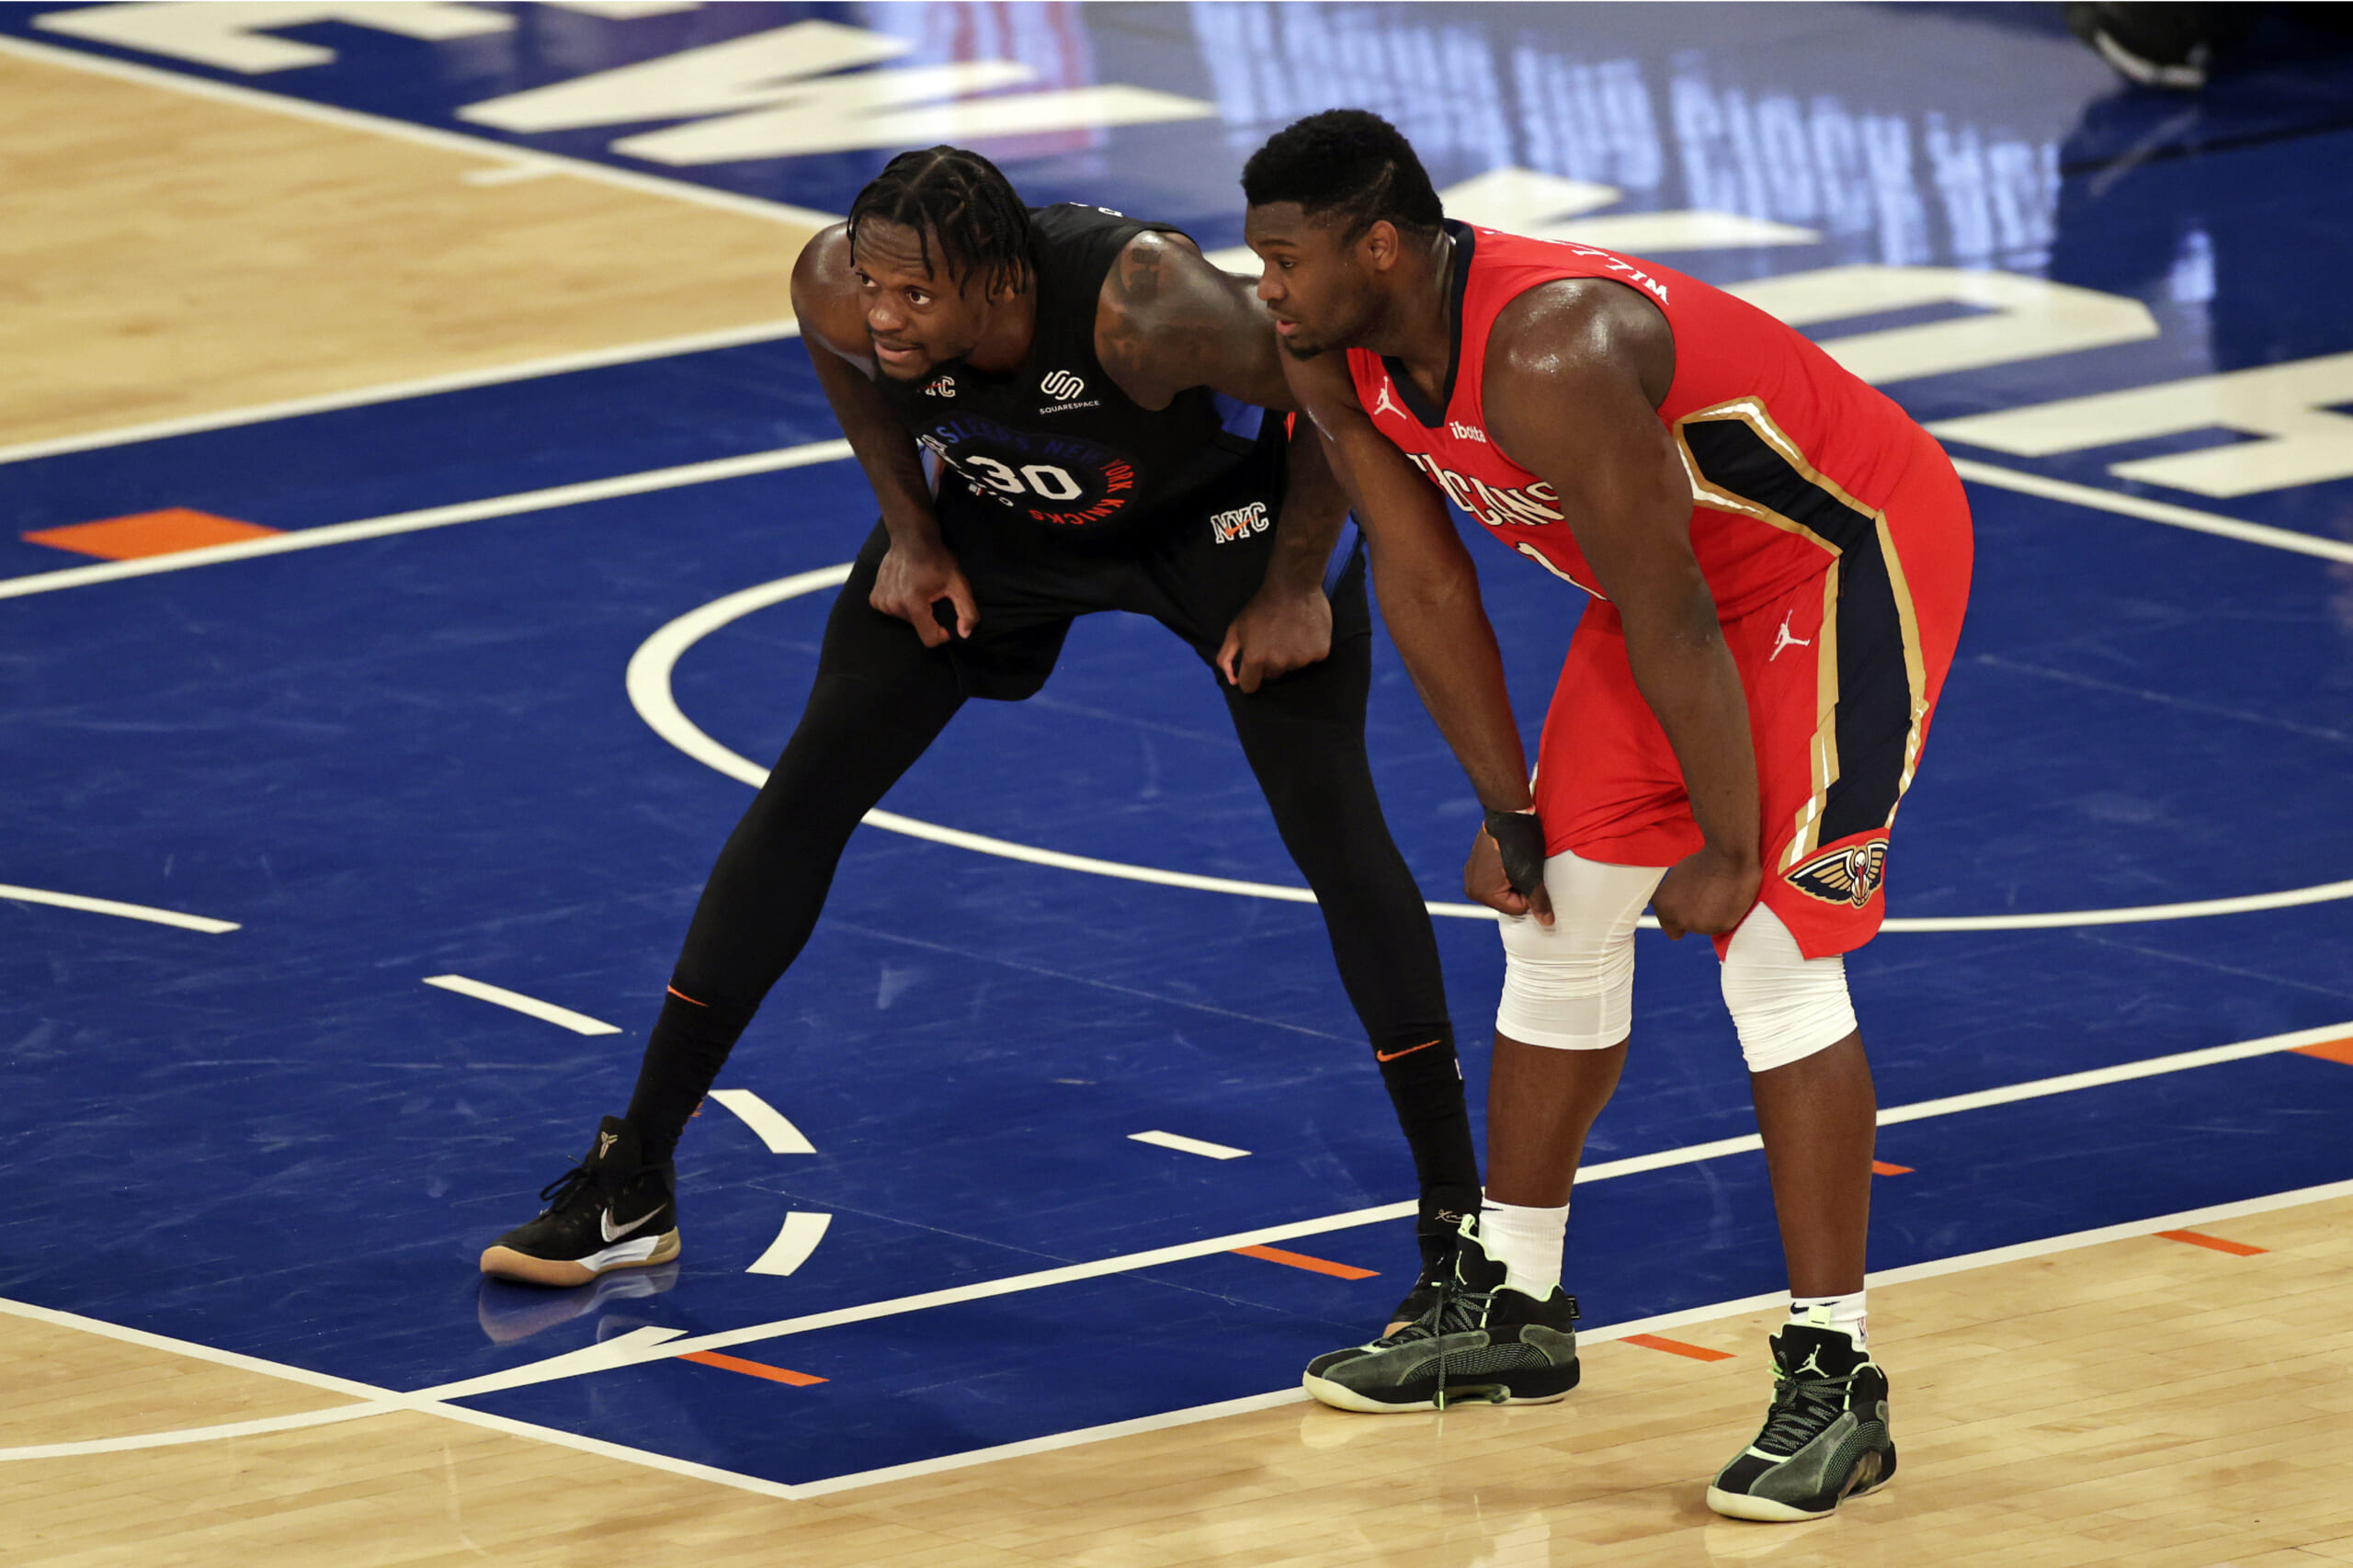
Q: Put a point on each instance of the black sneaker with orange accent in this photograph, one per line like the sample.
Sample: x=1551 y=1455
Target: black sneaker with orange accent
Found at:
x=608 y=1211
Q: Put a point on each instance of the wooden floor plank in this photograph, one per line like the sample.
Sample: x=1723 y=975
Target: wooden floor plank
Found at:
x=169 y=255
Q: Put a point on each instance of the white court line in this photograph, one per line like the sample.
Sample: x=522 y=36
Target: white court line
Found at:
x=227 y=1429
x=484 y=147
x=649 y=686
x=394 y=392
x=1185 y=1146
x=1601 y=1335
x=766 y=1121
x=513 y=174
x=432 y=517
x=622 y=1350
x=794 y=1242
x=110 y=906
x=378 y=1401
x=1691 y=1155
x=2152 y=511
x=578 y=1023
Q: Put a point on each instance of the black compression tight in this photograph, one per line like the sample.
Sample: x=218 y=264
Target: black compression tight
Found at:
x=880 y=699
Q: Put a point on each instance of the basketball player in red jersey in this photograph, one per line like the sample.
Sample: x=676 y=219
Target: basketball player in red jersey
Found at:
x=1780 y=562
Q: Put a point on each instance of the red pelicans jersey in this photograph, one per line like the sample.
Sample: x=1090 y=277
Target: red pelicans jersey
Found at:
x=1781 y=442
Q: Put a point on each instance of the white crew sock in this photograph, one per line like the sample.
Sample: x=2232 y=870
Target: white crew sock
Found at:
x=1527 y=1241
x=1842 y=1312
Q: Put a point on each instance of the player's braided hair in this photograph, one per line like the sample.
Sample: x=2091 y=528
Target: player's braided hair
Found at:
x=1350 y=162
x=958 y=200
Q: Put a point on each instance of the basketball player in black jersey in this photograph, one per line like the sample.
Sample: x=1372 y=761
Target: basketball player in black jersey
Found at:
x=1061 y=411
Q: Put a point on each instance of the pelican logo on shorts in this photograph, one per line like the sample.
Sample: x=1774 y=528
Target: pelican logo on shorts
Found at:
x=1240 y=523
x=944 y=387
x=1850 y=875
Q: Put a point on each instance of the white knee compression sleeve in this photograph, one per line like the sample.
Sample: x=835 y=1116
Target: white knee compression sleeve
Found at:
x=1571 y=985
x=1785 y=1005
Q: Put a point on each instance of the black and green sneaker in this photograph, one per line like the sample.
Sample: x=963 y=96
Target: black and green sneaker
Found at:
x=1825 y=1441
x=1479 y=1341
x=611 y=1210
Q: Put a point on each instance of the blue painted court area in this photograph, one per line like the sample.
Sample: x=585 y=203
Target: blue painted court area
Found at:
x=412 y=756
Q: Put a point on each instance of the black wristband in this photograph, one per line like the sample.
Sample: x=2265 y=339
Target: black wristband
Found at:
x=1521 y=836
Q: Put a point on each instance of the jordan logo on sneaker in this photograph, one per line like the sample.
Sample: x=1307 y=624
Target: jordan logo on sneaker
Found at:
x=1384 y=403
x=1812 y=1362
x=614 y=1232
x=1782 y=640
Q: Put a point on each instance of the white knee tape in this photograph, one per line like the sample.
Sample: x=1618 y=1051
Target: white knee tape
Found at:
x=1571 y=985
x=1785 y=1005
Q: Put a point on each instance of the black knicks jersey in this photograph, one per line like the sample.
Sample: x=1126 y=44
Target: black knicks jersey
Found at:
x=1055 y=442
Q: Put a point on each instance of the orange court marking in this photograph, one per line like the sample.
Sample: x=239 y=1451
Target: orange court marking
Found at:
x=750 y=1369
x=1677 y=1348
x=167 y=532
x=1312 y=1265
x=2197 y=1240
x=2340 y=1051
x=1881 y=1167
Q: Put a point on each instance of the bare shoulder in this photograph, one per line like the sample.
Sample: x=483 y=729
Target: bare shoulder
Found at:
x=825 y=293
x=1168 y=321
x=1583 y=331
x=1161 y=288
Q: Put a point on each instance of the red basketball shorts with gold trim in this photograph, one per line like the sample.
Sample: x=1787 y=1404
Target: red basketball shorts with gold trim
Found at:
x=1842 y=674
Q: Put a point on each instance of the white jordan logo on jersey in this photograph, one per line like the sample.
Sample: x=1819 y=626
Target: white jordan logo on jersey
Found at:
x=1782 y=640
x=1384 y=403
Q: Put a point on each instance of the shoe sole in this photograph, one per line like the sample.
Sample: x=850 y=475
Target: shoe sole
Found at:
x=1763 y=1510
x=505 y=1263
x=1339 y=1396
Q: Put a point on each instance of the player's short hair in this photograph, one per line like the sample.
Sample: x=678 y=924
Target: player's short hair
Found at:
x=1345 y=162
x=957 y=201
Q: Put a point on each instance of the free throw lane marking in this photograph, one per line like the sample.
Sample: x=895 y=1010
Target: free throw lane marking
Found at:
x=793 y=1244
x=645 y=1344
x=1312 y=1265
x=2199 y=1239
x=578 y=1023
x=779 y=1135
x=2340 y=1051
x=752 y=1369
x=109 y=907
x=1071 y=1273
x=1184 y=1145
x=434 y=517
x=167 y=532
x=1677 y=1348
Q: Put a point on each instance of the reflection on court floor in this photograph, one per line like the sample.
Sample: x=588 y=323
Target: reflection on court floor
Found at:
x=373 y=693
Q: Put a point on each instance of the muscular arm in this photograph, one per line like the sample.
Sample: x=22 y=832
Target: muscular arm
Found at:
x=1168 y=322
x=1429 y=592
x=1571 y=388
x=920 y=569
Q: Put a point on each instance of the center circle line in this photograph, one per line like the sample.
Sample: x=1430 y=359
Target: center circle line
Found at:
x=649 y=685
